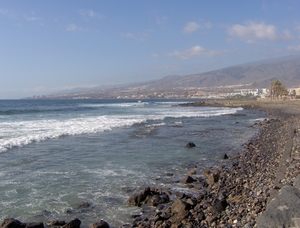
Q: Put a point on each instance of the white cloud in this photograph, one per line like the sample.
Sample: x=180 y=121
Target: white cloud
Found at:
x=294 y=48
x=33 y=18
x=138 y=36
x=194 y=52
x=127 y=35
x=251 y=32
x=193 y=26
x=154 y=55
x=297 y=27
x=73 y=27
x=90 y=13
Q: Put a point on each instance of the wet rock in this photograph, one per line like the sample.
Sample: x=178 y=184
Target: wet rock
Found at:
x=190 y=145
x=34 y=225
x=56 y=223
x=75 y=223
x=188 y=179
x=12 y=223
x=225 y=156
x=83 y=205
x=151 y=196
x=100 y=224
x=155 y=200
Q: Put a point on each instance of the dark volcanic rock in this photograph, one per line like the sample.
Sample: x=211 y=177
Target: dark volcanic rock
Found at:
x=188 y=179
x=56 y=223
x=83 y=205
x=219 y=206
x=73 y=224
x=235 y=195
x=35 y=225
x=283 y=211
x=190 y=145
x=225 y=156
x=12 y=223
x=100 y=224
x=151 y=196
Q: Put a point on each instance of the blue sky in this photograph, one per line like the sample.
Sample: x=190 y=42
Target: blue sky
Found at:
x=48 y=46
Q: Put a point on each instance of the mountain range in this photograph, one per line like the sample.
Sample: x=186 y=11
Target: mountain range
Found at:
x=257 y=74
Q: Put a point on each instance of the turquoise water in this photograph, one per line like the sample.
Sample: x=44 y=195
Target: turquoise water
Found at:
x=56 y=154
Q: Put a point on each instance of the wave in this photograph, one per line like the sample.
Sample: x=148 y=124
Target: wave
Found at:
x=16 y=111
x=27 y=132
x=131 y=104
x=21 y=133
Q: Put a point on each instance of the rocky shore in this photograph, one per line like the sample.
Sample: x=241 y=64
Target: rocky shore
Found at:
x=258 y=188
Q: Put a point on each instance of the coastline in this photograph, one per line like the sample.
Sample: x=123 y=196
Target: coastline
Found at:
x=241 y=195
x=231 y=196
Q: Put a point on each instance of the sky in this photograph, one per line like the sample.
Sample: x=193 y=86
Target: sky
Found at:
x=50 y=46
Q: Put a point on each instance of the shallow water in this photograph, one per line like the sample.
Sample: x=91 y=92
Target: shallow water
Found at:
x=57 y=154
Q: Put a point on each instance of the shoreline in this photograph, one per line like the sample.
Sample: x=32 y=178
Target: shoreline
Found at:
x=233 y=196
x=239 y=196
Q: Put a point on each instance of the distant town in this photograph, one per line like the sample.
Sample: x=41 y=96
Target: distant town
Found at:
x=177 y=93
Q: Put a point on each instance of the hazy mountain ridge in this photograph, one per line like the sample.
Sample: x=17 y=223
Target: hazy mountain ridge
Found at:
x=257 y=74
x=261 y=73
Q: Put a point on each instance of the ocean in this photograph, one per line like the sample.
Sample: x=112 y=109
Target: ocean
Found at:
x=57 y=154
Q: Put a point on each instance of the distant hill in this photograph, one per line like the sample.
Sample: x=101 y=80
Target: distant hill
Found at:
x=257 y=74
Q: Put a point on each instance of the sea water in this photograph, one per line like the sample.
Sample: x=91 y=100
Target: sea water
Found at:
x=57 y=154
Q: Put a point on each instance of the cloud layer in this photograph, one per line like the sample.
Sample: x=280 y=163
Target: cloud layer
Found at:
x=196 y=51
x=252 y=32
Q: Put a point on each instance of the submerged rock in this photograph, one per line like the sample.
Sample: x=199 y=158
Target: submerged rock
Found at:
x=225 y=156
x=190 y=145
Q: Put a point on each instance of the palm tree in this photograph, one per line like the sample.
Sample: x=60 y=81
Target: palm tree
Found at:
x=277 y=89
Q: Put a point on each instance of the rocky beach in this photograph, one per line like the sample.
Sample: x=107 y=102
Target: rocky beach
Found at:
x=258 y=188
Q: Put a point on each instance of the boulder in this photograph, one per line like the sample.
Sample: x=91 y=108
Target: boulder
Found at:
x=56 y=223
x=75 y=223
x=151 y=196
x=154 y=200
x=282 y=211
x=179 y=212
x=188 y=179
x=206 y=171
x=178 y=206
x=225 y=156
x=190 y=145
x=213 y=178
x=34 y=225
x=100 y=224
x=191 y=172
x=12 y=223
x=218 y=206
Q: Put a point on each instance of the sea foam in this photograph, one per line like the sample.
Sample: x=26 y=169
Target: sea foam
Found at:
x=21 y=133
